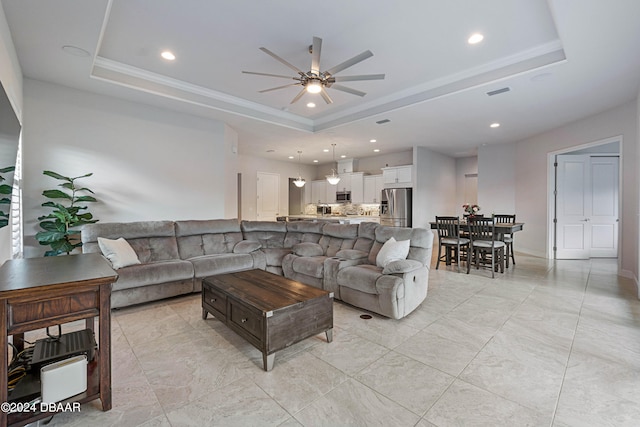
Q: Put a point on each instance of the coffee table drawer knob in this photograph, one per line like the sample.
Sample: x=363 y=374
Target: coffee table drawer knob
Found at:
x=213 y=300
x=244 y=320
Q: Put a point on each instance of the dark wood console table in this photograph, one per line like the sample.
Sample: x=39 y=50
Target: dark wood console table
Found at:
x=40 y=292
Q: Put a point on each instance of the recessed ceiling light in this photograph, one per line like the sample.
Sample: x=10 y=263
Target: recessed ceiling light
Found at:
x=311 y=105
x=315 y=161
x=475 y=38
x=494 y=125
x=377 y=150
x=291 y=157
x=168 y=55
x=343 y=156
x=372 y=140
x=326 y=150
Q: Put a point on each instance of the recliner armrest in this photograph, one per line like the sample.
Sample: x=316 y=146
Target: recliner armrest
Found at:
x=402 y=266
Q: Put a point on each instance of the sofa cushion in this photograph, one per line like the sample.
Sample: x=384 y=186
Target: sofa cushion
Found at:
x=153 y=273
x=351 y=254
x=119 y=252
x=309 y=266
x=270 y=234
x=151 y=240
x=401 y=266
x=302 y=231
x=274 y=256
x=208 y=265
x=307 y=249
x=246 y=246
x=361 y=277
x=392 y=250
x=207 y=237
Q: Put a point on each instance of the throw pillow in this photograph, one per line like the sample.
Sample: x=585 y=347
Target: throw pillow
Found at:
x=392 y=250
x=246 y=246
x=401 y=266
x=307 y=249
x=119 y=252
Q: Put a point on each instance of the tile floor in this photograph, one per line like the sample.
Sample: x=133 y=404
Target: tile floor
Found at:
x=545 y=344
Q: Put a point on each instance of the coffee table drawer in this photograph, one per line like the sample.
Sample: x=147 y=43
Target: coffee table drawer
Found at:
x=243 y=317
x=214 y=300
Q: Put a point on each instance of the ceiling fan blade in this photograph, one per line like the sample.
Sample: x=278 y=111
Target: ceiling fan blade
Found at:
x=276 y=88
x=350 y=62
x=315 y=55
x=299 y=95
x=270 y=75
x=348 y=90
x=277 y=58
x=356 y=78
x=325 y=96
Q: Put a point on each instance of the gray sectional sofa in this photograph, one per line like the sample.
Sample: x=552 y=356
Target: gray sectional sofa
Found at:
x=176 y=255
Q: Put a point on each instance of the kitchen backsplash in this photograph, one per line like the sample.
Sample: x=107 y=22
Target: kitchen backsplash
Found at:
x=346 y=209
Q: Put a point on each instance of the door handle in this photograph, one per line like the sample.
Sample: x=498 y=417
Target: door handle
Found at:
x=585 y=220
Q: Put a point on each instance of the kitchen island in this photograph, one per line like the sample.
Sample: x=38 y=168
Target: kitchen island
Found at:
x=341 y=219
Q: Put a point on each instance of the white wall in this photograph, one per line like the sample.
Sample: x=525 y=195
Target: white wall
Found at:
x=148 y=163
x=11 y=79
x=530 y=174
x=249 y=166
x=496 y=183
x=434 y=187
x=464 y=166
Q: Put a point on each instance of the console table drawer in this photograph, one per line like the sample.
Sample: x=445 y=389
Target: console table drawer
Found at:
x=215 y=300
x=66 y=306
x=245 y=319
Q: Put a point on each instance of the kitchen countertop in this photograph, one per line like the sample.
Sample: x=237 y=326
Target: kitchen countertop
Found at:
x=334 y=217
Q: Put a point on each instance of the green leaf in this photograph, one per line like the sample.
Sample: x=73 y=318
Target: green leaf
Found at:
x=49 y=237
x=82 y=176
x=5 y=201
x=56 y=176
x=5 y=189
x=7 y=169
x=3 y=223
x=56 y=194
x=86 y=199
x=85 y=189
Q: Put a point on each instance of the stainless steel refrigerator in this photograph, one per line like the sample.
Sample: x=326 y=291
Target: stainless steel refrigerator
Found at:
x=395 y=207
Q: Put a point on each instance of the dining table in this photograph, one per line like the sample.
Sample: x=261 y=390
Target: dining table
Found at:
x=501 y=228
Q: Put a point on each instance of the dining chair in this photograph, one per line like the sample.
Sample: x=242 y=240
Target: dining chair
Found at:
x=485 y=248
x=449 y=238
x=507 y=238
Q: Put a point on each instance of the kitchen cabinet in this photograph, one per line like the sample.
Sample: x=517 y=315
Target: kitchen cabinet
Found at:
x=373 y=185
x=319 y=191
x=346 y=166
x=306 y=195
x=330 y=192
x=398 y=176
x=353 y=182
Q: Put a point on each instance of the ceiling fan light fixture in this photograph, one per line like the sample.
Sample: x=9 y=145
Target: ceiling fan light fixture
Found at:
x=314 y=87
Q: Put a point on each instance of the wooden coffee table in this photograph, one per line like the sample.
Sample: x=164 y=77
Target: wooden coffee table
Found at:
x=269 y=311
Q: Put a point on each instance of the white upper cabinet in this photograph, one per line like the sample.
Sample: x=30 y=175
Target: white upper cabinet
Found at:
x=397 y=176
x=319 y=191
x=372 y=188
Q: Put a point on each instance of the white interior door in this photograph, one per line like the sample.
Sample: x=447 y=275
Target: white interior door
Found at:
x=268 y=196
x=587 y=207
x=604 y=207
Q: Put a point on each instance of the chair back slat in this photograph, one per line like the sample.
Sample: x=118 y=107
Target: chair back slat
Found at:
x=448 y=226
x=482 y=229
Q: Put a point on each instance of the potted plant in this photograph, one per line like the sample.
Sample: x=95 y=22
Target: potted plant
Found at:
x=5 y=190
x=59 y=226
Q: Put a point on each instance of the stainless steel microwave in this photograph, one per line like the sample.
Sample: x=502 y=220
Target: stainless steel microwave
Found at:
x=343 y=196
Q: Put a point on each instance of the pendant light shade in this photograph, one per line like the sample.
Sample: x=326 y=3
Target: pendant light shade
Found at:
x=333 y=179
x=299 y=181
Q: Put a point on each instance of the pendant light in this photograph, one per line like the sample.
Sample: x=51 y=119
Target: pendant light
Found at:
x=333 y=179
x=299 y=181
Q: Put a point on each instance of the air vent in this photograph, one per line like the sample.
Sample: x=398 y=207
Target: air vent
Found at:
x=381 y=122
x=498 y=91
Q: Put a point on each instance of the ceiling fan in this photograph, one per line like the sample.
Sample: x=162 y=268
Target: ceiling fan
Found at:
x=316 y=81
